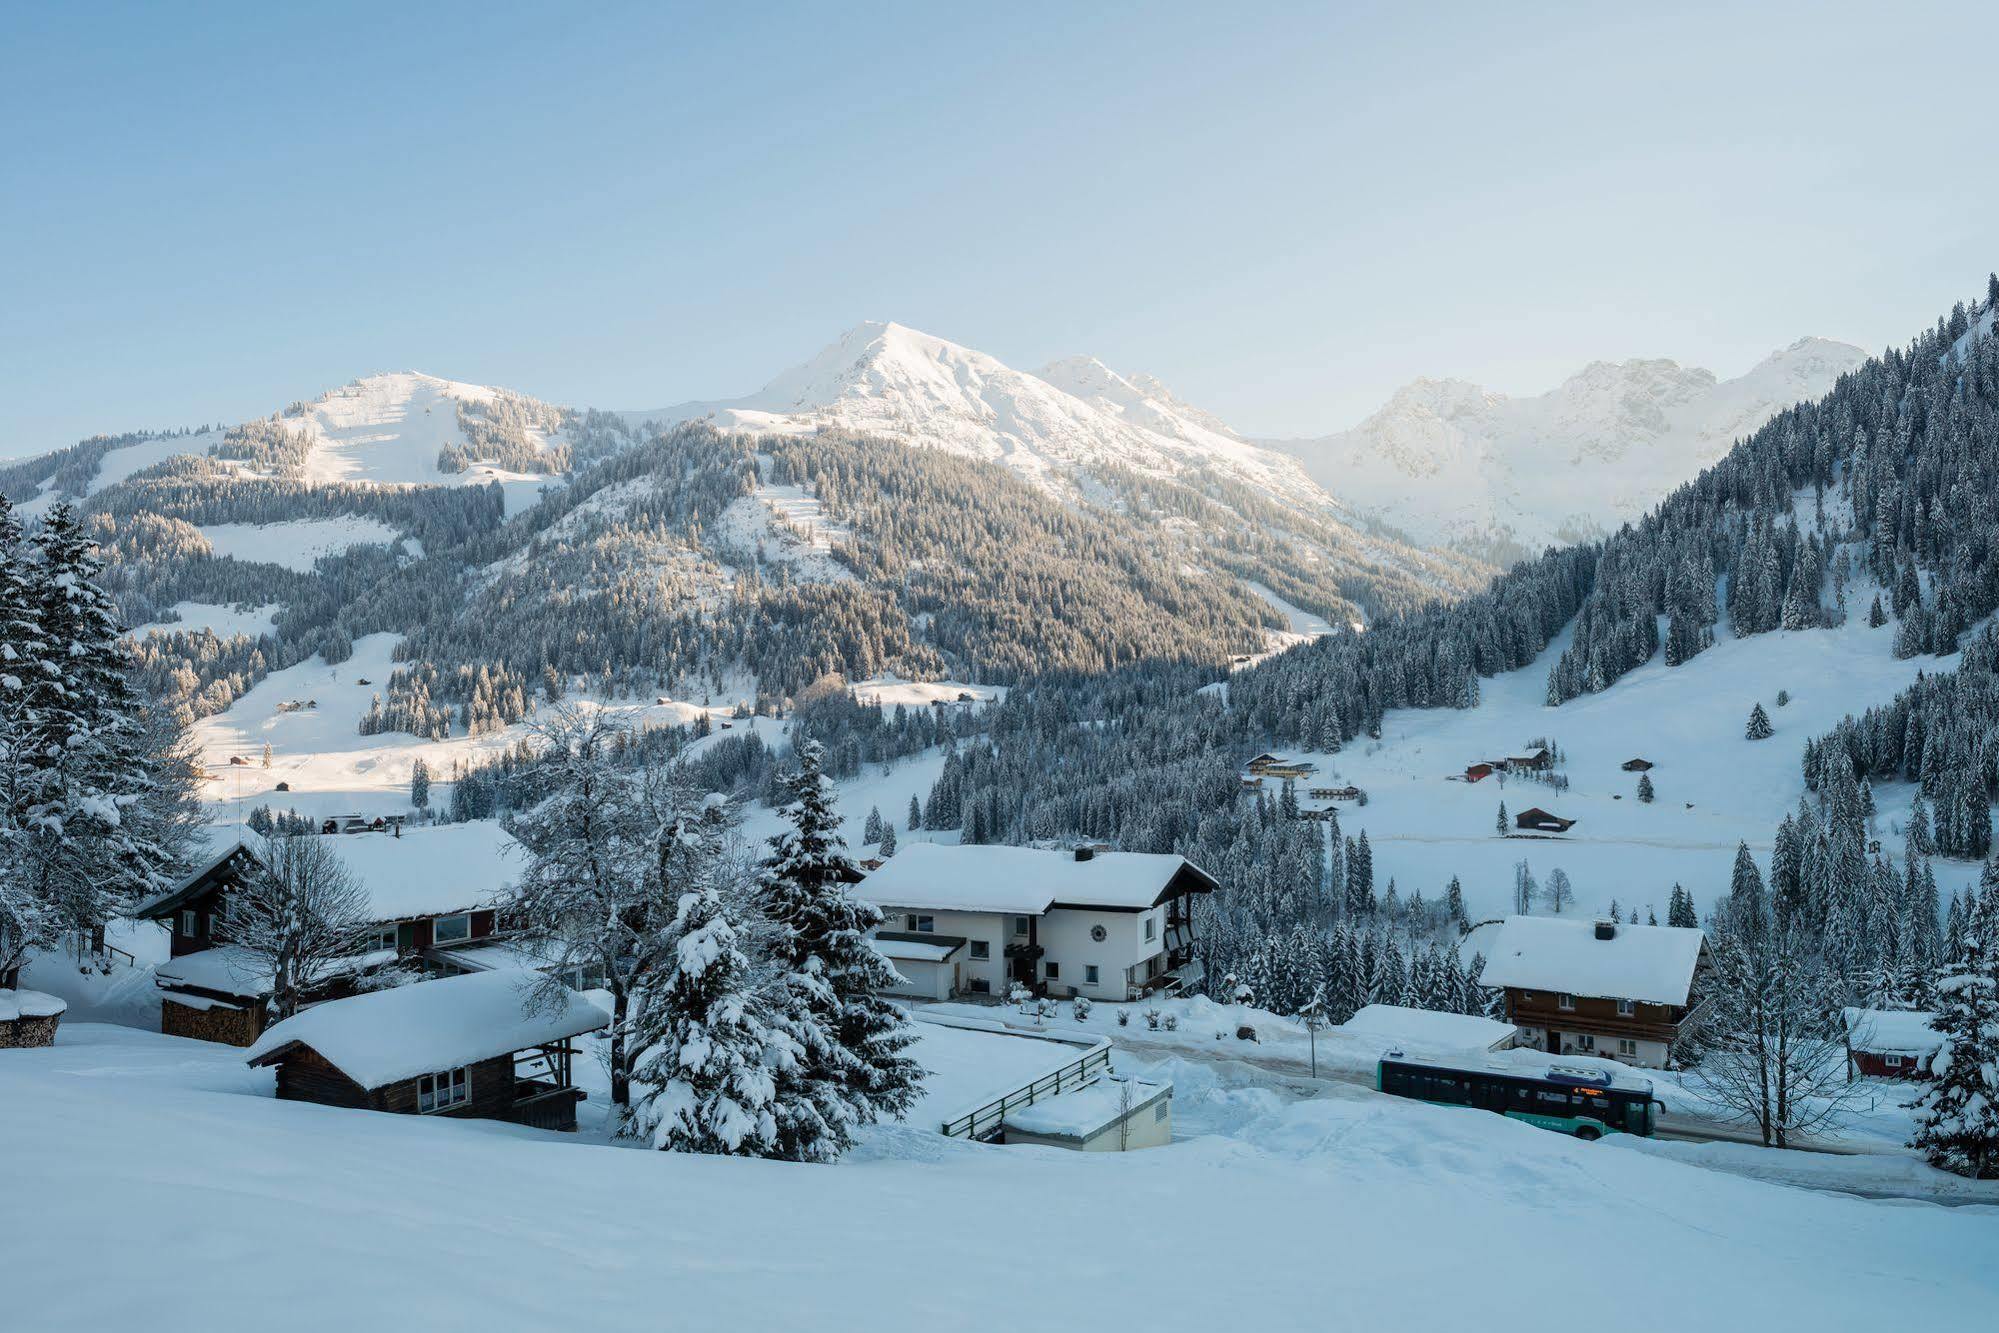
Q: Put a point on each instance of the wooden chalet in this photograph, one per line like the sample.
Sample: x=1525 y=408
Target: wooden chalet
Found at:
x=1537 y=820
x=1581 y=987
x=492 y=1046
x=1637 y=765
x=1884 y=1043
x=1335 y=793
x=1261 y=762
x=1477 y=772
x=1534 y=761
x=430 y=889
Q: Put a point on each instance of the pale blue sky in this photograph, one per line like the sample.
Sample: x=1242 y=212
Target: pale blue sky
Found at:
x=1284 y=212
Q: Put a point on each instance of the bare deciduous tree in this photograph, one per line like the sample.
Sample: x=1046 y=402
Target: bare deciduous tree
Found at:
x=300 y=913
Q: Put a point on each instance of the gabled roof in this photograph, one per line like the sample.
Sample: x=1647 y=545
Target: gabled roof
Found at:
x=1029 y=880
x=1891 y=1031
x=387 y=1036
x=429 y=871
x=1654 y=964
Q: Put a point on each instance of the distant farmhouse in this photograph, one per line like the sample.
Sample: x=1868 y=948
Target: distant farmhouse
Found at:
x=1638 y=765
x=1580 y=987
x=979 y=920
x=1883 y=1043
x=1534 y=761
x=1537 y=820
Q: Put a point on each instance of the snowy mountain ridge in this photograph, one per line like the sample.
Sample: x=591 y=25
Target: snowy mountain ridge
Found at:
x=1452 y=463
x=1054 y=429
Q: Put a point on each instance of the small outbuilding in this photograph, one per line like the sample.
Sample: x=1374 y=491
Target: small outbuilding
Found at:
x=488 y=1046
x=1889 y=1043
x=1638 y=765
x=1537 y=820
x=1478 y=772
x=1110 y=1115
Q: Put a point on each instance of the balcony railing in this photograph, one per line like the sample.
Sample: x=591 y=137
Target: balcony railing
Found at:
x=986 y=1121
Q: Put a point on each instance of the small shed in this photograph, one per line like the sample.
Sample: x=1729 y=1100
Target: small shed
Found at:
x=1477 y=772
x=927 y=964
x=488 y=1046
x=1889 y=1043
x=1110 y=1115
x=1537 y=820
x=1638 y=765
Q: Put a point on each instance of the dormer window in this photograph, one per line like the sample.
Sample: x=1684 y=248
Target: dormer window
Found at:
x=1565 y=1001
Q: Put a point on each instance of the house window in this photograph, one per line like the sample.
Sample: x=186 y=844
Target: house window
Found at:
x=1626 y=1008
x=1585 y=1042
x=378 y=938
x=1152 y=928
x=1892 y=1061
x=981 y=949
x=981 y=986
x=926 y=924
x=1626 y=1046
x=451 y=929
x=190 y=924
x=1159 y=1111
x=1565 y=1002
x=441 y=1092
x=1090 y=975
x=1054 y=971
x=1020 y=925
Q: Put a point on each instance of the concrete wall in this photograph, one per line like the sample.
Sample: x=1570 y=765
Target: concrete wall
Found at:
x=1147 y=1127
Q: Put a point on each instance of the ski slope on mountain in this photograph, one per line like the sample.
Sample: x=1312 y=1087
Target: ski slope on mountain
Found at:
x=1715 y=788
x=1284 y=1213
x=1449 y=462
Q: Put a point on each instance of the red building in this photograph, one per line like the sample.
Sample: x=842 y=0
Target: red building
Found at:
x=1889 y=1043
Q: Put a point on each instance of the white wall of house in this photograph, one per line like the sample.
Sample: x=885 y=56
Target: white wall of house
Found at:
x=1067 y=937
x=1649 y=1054
x=926 y=980
x=992 y=929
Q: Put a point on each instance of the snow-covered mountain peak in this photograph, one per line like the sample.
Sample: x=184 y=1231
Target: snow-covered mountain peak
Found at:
x=1454 y=463
x=887 y=379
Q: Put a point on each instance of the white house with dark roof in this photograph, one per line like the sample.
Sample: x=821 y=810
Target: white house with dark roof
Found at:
x=1107 y=925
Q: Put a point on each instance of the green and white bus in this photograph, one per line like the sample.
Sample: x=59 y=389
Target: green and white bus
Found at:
x=1588 y=1103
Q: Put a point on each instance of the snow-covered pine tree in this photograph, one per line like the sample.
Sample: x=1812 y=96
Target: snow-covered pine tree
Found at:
x=1957 y=1112
x=1645 y=792
x=887 y=847
x=871 y=832
x=1759 y=728
x=705 y=1079
x=420 y=785
x=1501 y=824
x=1454 y=903
x=851 y=1039
x=915 y=820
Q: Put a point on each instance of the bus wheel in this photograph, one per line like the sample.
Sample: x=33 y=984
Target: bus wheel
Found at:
x=1589 y=1133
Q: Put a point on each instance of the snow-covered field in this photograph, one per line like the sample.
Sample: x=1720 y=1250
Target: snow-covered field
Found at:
x=297 y=544
x=1714 y=788
x=223 y=621
x=147 y=1158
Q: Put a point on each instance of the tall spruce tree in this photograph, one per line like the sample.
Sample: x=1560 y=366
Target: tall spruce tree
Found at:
x=1957 y=1112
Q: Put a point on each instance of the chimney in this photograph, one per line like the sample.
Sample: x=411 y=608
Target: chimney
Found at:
x=1606 y=930
x=1085 y=853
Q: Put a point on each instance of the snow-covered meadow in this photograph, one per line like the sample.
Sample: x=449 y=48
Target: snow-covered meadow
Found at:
x=1342 y=1209
x=1713 y=788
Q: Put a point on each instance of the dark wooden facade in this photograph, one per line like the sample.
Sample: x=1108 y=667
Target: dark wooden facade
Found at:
x=1882 y=1064
x=495 y=1089
x=1538 y=820
x=1588 y=1013
x=235 y=1023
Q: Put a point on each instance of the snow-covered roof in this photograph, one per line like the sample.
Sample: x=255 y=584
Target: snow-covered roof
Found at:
x=29 y=1004
x=428 y=871
x=1027 y=879
x=1892 y=1031
x=904 y=950
x=1654 y=964
x=1086 y=1112
x=232 y=969
x=386 y=1036
x=1392 y=1023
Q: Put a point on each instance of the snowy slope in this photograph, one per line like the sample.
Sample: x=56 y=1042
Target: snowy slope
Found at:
x=1714 y=788
x=1452 y=463
x=891 y=380
x=1338 y=1210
